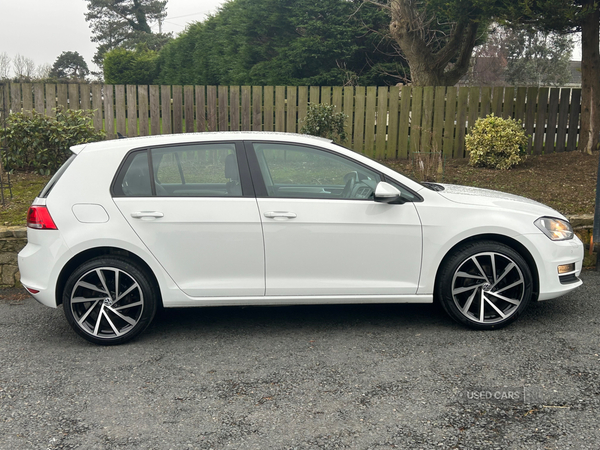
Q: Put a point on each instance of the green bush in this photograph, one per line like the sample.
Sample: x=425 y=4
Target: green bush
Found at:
x=41 y=143
x=322 y=120
x=496 y=143
x=123 y=66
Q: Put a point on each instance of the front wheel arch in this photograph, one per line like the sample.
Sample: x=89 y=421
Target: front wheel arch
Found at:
x=91 y=253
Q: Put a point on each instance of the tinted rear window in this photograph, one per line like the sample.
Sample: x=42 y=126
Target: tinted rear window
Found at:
x=56 y=177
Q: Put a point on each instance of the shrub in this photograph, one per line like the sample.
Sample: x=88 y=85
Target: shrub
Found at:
x=41 y=143
x=322 y=120
x=496 y=143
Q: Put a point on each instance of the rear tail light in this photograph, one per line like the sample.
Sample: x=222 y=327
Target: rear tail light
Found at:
x=38 y=217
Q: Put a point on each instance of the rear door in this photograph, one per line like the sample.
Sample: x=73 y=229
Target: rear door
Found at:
x=194 y=208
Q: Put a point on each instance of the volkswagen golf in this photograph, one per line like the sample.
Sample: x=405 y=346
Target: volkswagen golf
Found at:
x=251 y=218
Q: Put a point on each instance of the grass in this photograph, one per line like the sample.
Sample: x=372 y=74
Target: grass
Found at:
x=25 y=187
x=564 y=181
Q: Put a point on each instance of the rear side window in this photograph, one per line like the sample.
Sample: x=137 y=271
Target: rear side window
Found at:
x=134 y=178
x=195 y=170
x=56 y=177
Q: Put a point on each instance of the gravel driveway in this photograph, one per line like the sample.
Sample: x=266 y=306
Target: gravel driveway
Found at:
x=356 y=377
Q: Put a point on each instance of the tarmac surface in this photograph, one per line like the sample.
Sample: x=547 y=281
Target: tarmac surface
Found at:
x=310 y=377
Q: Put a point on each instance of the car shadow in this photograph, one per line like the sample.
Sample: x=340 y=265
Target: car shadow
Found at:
x=248 y=319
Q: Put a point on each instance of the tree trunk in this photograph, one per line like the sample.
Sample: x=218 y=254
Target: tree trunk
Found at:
x=410 y=28
x=590 y=81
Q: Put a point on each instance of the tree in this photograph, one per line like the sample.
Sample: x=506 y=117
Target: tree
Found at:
x=537 y=58
x=70 y=66
x=489 y=61
x=437 y=37
x=522 y=56
x=569 y=16
x=125 y=23
x=123 y=66
x=24 y=68
x=5 y=62
x=43 y=71
x=285 y=42
x=437 y=56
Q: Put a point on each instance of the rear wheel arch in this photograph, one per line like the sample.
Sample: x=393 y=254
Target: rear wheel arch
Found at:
x=91 y=253
x=514 y=244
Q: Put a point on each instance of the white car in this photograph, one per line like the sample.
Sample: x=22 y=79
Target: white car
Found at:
x=249 y=218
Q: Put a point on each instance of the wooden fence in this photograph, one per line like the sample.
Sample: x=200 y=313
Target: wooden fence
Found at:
x=383 y=122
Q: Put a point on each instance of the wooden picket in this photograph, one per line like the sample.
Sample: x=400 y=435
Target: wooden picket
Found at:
x=382 y=122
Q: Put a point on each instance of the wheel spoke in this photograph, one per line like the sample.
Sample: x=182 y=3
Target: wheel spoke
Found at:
x=493 y=258
x=465 y=289
x=103 y=281
x=494 y=306
x=469 y=275
x=482 y=308
x=506 y=299
x=116 y=284
x=474 y=259
x=129 y=305
x=131 y=288
x=90 y=286
x=505 y=288
x=87 y=313
x=112 y=325
x=97 y=327
x=506 y=272
x=86 y=299
x=129 y=320
x=465 y=309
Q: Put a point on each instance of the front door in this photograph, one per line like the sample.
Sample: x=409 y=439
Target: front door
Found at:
x=324 y=234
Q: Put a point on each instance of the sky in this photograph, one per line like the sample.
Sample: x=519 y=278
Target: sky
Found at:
x=42 y=29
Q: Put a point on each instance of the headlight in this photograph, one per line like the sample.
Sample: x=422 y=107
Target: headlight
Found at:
x=555 y=229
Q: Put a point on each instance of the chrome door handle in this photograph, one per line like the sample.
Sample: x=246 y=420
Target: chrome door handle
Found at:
x=147 y=215
x=280 y=215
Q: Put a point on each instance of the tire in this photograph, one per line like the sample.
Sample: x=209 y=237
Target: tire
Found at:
x=109 y=300
x=485 y=285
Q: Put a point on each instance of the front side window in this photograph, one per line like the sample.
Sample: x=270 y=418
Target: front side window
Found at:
x=306 y=172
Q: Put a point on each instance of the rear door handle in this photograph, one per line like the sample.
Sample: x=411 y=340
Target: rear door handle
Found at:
x=147 y=215
x=280 y=215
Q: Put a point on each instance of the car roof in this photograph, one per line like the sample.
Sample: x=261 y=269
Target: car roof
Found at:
x=182 y=138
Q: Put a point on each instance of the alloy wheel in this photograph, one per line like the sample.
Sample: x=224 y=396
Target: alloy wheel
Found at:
x=488 y=287
x=107 y=302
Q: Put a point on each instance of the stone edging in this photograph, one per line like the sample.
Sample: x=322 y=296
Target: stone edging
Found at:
x=13 y=232
x=12 y=240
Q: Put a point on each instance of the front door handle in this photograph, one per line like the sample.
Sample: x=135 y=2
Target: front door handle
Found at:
x=147 y=215
x=280 y=215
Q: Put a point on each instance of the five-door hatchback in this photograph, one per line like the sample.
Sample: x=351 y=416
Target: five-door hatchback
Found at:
x=248 y=218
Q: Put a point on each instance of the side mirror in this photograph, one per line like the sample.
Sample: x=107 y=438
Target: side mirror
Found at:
x=386 y=193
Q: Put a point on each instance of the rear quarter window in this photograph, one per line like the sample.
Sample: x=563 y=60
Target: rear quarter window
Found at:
x=133 y=179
